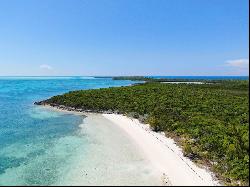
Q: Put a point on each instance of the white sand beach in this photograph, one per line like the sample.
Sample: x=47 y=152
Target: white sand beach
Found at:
x=164 y=154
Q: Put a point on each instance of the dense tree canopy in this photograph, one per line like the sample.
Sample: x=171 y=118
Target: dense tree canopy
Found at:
x=210 y=121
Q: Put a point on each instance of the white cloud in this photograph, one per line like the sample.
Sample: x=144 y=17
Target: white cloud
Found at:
x=46 y=67
x=238 y=63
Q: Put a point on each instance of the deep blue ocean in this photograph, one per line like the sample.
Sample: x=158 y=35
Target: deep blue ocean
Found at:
x=38 y=146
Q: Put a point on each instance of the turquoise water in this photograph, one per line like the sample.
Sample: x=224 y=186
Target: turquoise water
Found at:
x=39 y=146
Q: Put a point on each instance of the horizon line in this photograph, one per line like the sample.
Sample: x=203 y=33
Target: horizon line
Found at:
x=124 y=75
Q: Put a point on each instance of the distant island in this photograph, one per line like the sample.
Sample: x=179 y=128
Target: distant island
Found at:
x=209 y=121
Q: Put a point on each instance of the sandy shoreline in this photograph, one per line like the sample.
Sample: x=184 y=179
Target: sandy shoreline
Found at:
x=161 y=151
x=164 y=154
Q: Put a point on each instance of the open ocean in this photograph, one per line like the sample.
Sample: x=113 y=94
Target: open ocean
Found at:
x=39 y=146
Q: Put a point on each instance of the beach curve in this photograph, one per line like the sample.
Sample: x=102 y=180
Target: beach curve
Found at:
x=164 y=154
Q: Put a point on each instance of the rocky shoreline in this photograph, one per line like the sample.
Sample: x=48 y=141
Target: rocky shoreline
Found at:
x=73 y=109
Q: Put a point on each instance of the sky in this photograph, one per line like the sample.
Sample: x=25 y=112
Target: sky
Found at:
x=124 y=37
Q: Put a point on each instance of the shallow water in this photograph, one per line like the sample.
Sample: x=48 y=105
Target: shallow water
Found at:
x=39 y=146
x=109 y=157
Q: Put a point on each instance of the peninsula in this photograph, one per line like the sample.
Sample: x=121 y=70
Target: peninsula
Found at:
x=208 y=121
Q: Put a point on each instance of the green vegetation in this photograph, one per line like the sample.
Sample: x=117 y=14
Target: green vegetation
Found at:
x=148 y=79
x=210 y=121
x=133 y=78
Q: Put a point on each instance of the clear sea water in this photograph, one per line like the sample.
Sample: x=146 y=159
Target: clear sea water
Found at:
x=39 y=146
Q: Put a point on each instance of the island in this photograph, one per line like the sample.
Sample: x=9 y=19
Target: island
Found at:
x=209 y=121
